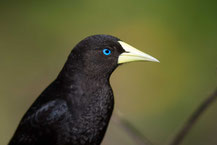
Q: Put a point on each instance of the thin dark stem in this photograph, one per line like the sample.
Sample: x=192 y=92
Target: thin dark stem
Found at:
x=193 y=119
x=135 y=134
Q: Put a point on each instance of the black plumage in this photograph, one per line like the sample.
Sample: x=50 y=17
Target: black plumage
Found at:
x=76 y=107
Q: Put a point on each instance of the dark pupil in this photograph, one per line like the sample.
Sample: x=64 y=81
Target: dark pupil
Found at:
x=107 y=51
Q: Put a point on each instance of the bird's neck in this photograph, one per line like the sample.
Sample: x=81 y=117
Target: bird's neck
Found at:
x=78 y=70
x=82 y=86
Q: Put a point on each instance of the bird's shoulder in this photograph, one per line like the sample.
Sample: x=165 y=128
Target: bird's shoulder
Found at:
x=47 y=113
x=39 y=121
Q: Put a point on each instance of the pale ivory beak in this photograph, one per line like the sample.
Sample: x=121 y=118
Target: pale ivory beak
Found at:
x=133 y=54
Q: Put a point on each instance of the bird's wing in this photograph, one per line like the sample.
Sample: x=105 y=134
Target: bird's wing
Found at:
x=37 y=122
x=47 y=113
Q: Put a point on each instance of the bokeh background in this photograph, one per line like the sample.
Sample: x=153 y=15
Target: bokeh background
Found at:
x=157 y=98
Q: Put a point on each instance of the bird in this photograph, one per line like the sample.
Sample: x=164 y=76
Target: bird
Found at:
x=76 y=107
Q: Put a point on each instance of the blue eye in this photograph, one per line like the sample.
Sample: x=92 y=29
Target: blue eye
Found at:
x=106 y=51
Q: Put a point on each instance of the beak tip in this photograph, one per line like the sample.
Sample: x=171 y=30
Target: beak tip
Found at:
x=156 y=60
x=153 y=59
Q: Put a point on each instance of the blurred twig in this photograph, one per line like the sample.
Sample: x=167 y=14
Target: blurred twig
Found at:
x=141 y=140
x=193 y=118
x=135 y=134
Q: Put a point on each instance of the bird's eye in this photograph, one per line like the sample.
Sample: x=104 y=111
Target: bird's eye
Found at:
x=106 y=51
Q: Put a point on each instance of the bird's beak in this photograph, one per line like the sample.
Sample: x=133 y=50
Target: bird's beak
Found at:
x=133 y=54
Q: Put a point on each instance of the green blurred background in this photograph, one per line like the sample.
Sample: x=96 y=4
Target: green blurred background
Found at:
x=157 y=98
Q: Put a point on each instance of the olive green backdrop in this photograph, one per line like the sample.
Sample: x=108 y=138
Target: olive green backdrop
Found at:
x=37 y=36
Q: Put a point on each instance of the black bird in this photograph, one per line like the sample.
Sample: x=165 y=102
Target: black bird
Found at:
x=76 y=107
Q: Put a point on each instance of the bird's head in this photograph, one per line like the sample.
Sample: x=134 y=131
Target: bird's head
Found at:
x=101 y=54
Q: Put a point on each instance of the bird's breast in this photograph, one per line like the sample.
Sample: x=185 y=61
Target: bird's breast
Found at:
x=92 y=118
